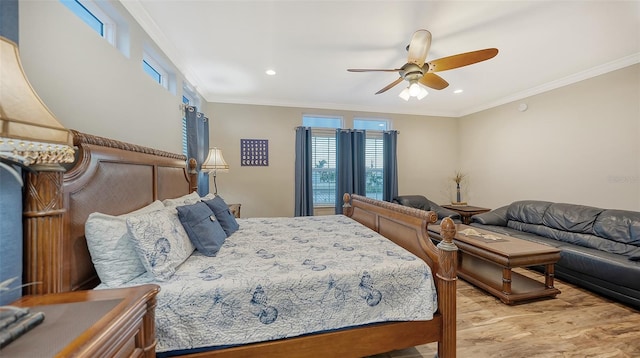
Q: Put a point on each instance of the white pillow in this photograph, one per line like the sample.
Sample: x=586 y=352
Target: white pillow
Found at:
x=161 y=241
x=209 y=196
x=188 y=199
x=111 y=248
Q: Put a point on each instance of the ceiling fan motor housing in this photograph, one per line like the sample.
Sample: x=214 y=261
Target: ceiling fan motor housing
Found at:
x=411 y=71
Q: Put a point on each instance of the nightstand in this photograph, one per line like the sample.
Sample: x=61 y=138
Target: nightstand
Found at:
x=94 y=323
x=235 y=209
x=466 y=211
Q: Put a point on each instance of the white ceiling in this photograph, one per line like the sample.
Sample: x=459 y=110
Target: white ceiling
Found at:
x=224 y=48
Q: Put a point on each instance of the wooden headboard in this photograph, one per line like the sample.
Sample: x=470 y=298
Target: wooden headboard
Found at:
x=108 y=176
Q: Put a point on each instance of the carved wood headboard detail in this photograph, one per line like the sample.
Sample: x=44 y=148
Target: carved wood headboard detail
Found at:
x=108 y=176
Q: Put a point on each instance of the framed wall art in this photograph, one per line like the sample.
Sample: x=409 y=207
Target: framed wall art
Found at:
x=254 y=152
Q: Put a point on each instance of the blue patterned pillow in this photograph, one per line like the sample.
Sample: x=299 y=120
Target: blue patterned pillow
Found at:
x=160 y=241
x=203 y=228
x=224 y=216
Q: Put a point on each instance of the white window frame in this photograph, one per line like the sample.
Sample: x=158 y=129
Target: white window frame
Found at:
x=115 y=27
x=324 y=132
x=164 y=74
x=373 y=134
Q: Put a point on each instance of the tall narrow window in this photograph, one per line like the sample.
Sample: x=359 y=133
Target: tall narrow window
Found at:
x=374 y=150
x=323 y=156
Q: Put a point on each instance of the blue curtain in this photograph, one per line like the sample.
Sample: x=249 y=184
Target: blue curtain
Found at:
x=10 y=235
x=198 y=144
x=10 y=190
x=390 y=163
x=303 y=182
x=350 y=164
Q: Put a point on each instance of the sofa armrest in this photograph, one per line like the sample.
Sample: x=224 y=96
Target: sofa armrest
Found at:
x=445 y=213
x=496 y=217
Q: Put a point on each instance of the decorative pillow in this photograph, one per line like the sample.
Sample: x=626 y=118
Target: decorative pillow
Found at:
x=224 y=216
x=202 y=227
x=188 y=199
x=161 y=241
x=112 y=251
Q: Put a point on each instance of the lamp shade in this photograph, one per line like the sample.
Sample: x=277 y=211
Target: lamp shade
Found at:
x=215 y=161
x=29 y=132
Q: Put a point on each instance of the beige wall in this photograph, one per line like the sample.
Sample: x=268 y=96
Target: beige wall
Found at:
x=576 y=144
x=90 y=85
x=426 y=153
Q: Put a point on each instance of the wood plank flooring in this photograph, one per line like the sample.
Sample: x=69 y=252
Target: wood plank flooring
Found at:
x=577 y=323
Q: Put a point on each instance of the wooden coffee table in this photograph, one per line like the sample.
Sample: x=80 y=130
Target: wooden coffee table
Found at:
x=486 y=260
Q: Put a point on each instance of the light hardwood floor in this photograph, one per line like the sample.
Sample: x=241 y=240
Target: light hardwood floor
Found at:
x=577 y=323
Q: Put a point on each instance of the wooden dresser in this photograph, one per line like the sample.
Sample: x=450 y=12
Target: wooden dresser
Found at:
x=94 y=323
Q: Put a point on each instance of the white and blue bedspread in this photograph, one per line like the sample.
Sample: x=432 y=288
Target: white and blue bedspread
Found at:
x=283 y=277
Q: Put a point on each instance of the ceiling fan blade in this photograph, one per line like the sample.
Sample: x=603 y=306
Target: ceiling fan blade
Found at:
x=387 y=87
x=419 y=47
x=372 y=70
x=460 y=60
x=433 y=81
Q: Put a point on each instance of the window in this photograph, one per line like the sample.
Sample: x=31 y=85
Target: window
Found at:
x=323 y=156
x=186 y=101
x=374 y=150
x=104 y=19
x=85 y=15
x=189 y=98
x=153 y=68
x=97 y=19
x=151 y=71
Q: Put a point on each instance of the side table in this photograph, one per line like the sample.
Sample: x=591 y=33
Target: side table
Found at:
x=466 y=211
x=94 y=323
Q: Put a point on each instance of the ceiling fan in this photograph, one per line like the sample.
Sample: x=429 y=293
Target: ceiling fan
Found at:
x=416 y=71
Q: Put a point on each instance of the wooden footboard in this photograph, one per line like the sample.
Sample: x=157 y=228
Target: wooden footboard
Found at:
x=407 y=227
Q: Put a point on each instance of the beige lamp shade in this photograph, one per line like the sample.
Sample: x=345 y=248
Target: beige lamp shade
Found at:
x=215 y=161
x=29 y=132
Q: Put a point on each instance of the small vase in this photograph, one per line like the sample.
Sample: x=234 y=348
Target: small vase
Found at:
x=458 y=198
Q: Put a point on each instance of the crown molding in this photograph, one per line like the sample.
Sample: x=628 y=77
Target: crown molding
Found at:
x=577 y=77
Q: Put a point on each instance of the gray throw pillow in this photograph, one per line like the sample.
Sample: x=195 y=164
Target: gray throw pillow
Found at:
x=202 y=227
x=224 y=216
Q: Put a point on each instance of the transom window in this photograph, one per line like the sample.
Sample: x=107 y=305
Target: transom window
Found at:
x=155 y=70
x=94 y=16
x=103 y=18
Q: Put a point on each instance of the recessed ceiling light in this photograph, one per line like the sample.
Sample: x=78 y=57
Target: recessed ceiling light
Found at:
x=458 y=91
x=270 y=72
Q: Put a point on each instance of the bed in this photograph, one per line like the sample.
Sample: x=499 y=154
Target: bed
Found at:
x=115 y=178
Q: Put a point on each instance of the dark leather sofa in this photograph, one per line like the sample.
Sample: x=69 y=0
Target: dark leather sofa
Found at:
x=600 y=248
x=420 y=202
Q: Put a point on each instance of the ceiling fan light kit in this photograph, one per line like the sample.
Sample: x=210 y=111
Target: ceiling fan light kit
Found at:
x=413 y=90
x=417 y=72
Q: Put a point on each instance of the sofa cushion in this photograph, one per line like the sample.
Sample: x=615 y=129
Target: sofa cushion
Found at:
x=619 y=225
x=570 y=217
x=603 y=265
x=631 y=252
x=528 y=211
x=496 y=217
